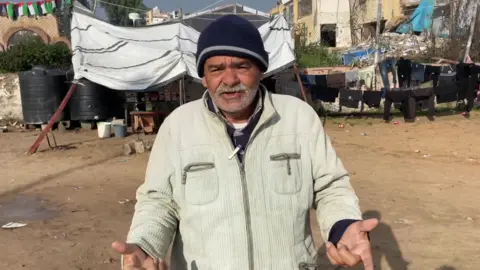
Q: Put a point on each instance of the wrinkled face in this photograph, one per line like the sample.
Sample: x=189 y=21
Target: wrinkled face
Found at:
x=232 y=82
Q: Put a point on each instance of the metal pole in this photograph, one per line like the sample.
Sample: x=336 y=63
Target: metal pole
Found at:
x=94 y=6
x=472 y=30
x=377 y=36
x=52 y=121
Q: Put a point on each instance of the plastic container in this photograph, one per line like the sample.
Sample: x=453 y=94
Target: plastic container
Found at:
x=120 y=130
x=104 y=129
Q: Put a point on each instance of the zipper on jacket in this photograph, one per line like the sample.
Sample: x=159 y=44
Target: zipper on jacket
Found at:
x=246 y=201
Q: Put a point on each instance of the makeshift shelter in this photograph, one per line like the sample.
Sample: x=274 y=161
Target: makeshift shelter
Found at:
x=138 y=58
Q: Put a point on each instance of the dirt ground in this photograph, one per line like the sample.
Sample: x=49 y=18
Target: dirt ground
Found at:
x=419 y=178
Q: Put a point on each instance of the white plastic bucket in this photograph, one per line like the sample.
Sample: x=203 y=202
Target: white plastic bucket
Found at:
x=104 y=129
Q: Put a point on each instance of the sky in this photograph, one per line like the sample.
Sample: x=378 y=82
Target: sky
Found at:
x=190 y=6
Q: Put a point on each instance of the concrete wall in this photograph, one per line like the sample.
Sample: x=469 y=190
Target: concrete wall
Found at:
x=366 y=10
x=307 y=21
x=10 y=102
x=334 y=12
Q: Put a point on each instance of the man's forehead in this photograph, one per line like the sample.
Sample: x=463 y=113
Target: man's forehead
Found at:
x=226 y=60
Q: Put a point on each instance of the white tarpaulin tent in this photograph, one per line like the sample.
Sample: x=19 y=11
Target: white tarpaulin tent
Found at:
x=128 y=58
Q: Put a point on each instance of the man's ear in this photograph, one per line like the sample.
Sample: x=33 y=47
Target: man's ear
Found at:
x=204 y=82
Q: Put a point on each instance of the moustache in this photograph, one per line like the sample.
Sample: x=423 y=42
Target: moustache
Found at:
x=225 y=89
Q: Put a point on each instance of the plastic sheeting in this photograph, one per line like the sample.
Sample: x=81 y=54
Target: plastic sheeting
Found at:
x=127 y=58
x=421 y=19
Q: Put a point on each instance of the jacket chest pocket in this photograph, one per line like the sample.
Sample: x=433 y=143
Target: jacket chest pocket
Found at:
x=285 y=172
x=199 y=175
x=200 y=183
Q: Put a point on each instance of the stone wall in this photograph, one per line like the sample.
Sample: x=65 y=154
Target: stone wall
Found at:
x=10 y=102
x=46 y=27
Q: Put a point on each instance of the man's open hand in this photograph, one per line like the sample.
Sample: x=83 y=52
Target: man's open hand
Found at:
x=134 y=258
x=354 y=246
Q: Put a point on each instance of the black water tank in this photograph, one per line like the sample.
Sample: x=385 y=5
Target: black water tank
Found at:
x=92 y=101
x=41 y=91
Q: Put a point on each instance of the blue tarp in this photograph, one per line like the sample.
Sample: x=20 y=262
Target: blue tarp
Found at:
x=421 y=19
x=357 y=54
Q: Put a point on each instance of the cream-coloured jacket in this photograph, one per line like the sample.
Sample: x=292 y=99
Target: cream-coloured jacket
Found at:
x=225 y=215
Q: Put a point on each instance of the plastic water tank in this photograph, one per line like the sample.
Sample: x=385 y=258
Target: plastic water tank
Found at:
x=92 y=102
x=41 y=91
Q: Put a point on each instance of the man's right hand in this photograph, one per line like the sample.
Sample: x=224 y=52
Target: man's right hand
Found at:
x=134 y=258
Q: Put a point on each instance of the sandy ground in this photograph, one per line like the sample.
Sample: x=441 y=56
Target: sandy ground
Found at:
x=419 y=178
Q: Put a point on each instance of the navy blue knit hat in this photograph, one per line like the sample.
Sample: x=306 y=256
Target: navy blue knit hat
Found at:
x=231 y=35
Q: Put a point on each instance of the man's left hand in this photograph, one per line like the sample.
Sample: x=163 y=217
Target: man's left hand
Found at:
x=354 y=246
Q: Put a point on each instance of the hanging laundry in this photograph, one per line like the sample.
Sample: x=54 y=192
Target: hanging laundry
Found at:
x=336 y=80
x=350 y=98
x=351 y=76
x=324 y=94
x=321 y=80
x=404 y=72
x=422 y=97
x=366 y=76
x=388 y=65
x=432 y=73
x=307 y=80
x=448 y=69
x=447 y=90
x=398 y=96
x=372 y=98
x=466 y=84
x=418 y=72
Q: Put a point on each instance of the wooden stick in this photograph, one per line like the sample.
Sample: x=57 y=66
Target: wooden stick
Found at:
x=445 y=60
x=54 y=118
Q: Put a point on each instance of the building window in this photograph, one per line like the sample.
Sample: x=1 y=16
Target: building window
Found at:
x=304 y=8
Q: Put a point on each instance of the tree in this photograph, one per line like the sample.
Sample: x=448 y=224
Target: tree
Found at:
x=117 y=12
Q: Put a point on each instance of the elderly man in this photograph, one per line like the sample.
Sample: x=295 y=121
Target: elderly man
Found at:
x=231 y=177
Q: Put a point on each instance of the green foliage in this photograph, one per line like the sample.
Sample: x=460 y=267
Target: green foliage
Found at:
x=25 y=55
x=117 y=14
x=315 y=55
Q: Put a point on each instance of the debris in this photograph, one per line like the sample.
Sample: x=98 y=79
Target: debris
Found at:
x=109 y=260
x=124 y=201
x=3 y=129
x=363 y=134
x=139 y=147
x=128 y=149
x=417 y=151
x=341 y=125
x=469 y=219
x=61 y=127
x=403 y=221
x=14 y=225
x=427 y=156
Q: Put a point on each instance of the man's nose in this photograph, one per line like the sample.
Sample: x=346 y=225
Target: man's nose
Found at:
x=230 y=77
